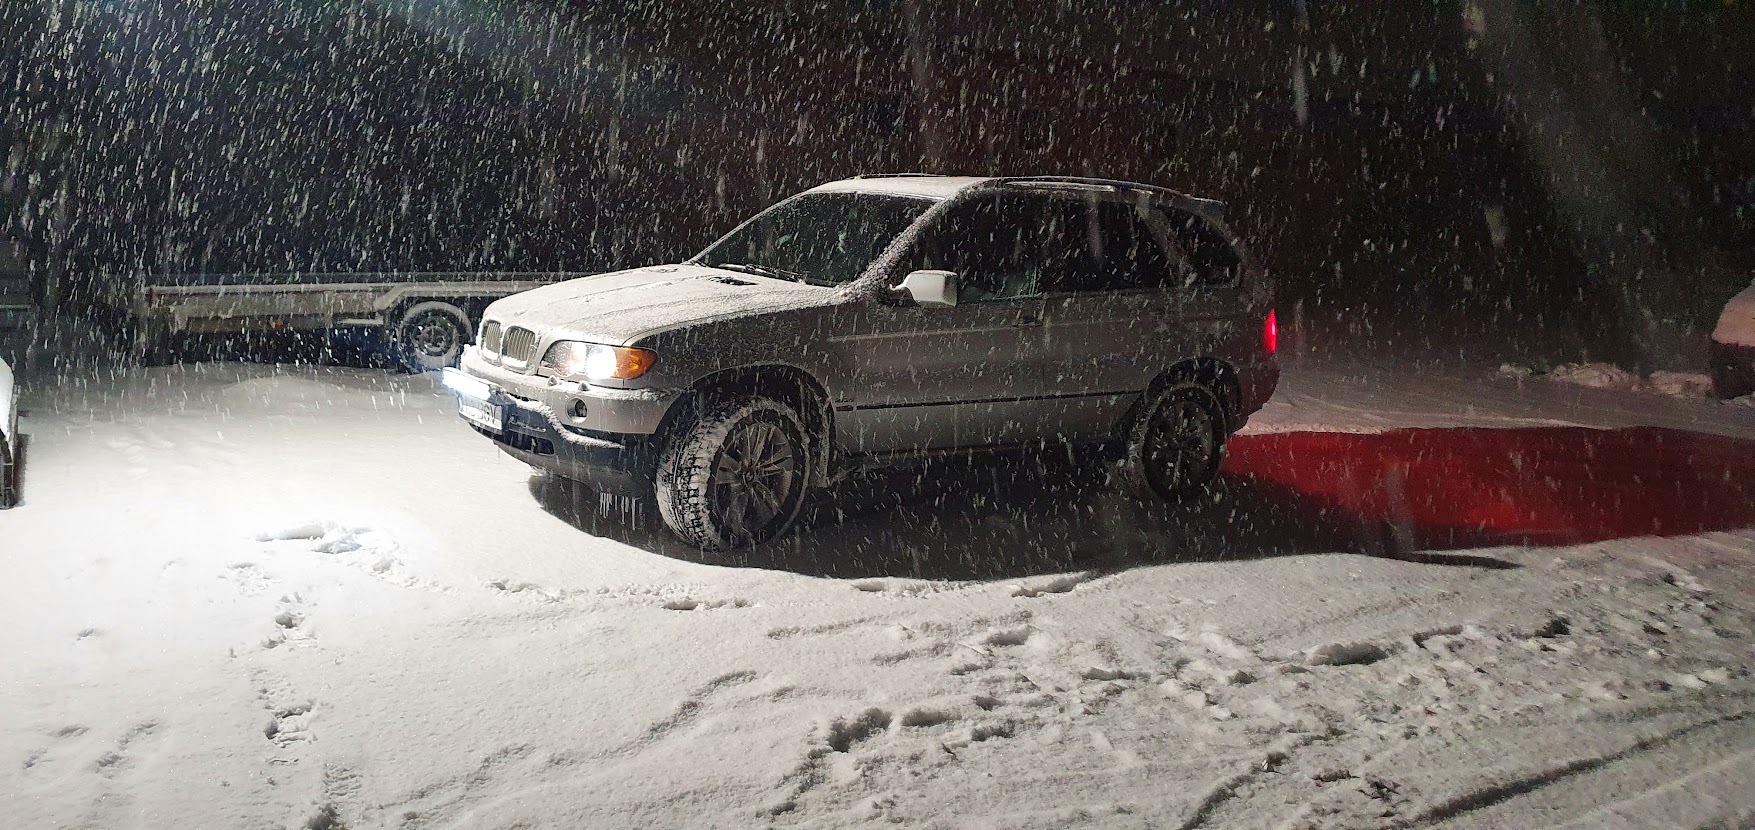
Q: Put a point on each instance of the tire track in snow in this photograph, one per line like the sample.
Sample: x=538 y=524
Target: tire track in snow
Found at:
x=690 y=707
x=1503 y=791
x=1739 y=768
x=453 y=801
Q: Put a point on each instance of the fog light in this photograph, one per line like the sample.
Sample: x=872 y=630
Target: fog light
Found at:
x=577 y=410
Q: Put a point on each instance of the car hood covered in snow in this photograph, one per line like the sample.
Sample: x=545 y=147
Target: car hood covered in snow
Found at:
x=622 y=306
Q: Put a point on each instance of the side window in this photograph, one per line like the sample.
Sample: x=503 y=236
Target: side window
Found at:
x=1073 y=257
x=1119 y=251
x=1211 y=259
x=1137 y=258
x=1000 y=247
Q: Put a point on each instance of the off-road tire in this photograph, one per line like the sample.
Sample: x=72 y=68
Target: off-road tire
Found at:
x=694 y=502
x=430 y=336
x=1183 y=406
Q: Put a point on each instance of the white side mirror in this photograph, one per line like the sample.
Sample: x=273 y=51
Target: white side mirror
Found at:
x=930 y=288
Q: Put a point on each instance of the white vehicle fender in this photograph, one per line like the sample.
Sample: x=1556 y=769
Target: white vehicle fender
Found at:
x=1736 y=324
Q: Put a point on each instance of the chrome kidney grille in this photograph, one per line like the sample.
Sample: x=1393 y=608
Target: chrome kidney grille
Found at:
x=490 y=339
x=519 y=347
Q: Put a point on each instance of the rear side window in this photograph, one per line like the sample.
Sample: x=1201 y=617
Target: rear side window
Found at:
x=1209 y=256
x=1025 y=244
x=1133 y=255
x=1116 y=249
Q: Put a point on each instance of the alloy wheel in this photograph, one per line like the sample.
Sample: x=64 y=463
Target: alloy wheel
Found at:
x=754 y=479
x=1180 y=445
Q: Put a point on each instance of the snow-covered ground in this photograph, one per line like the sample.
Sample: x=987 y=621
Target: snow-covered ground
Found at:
x=241 y=596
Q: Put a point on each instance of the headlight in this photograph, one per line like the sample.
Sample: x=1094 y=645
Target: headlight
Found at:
x=573 y=360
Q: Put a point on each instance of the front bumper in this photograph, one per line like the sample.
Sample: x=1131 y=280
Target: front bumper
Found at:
x=606 y=410
x=533 y=432
x=1733 y=369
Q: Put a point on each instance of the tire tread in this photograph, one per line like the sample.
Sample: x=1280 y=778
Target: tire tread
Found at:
x=686 y=464
x=1133 y=472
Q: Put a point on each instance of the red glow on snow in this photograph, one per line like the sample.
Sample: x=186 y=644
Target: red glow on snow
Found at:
x=1459 y=487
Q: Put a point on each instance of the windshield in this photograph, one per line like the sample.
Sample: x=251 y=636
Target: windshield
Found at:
x=820 y=238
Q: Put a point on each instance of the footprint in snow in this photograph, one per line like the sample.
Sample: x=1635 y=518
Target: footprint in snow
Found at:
x=1005 y=637
x=1346 y=654
x=122 y=758
x=1053 y=585
x=289 y=723
x=690 y=604
x=925 y=715
x=528 y=589
x=1106 y=673
x=249 y=579
x=289 y=715
x=905 y=587
x=42 y=755
x=289 y=626
x=842 y=733
x=322 y=536
x=367 y=549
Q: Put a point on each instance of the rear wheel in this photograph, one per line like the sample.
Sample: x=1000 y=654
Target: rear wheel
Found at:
x=431 y=335
x=736 y=477
x=1175 y=443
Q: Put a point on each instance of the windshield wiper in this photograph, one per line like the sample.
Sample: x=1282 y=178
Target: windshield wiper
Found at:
x=762 y=270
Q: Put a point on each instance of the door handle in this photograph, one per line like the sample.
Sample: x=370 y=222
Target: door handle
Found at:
x=1028 y=321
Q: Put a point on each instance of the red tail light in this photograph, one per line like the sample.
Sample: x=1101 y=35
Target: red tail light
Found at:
x=1270 y=333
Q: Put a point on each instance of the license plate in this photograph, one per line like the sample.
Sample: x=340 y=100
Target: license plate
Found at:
x=488 y=416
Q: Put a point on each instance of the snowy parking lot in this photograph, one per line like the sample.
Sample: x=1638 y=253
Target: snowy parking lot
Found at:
x=248 y=596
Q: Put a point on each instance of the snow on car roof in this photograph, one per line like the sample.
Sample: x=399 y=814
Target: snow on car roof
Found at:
x=943 y=187
x=932 y=187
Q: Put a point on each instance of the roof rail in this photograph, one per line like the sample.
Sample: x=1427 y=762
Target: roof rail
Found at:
x=1211 y=208
x=898 y=176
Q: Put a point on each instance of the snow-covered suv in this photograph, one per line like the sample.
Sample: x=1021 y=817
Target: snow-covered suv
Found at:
x=885 y=318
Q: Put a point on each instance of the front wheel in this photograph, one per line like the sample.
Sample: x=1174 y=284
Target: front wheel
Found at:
x=736 y=477
x=431 y=336
x=1176 y=442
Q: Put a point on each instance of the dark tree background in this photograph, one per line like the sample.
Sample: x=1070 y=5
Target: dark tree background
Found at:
x=1577 y=175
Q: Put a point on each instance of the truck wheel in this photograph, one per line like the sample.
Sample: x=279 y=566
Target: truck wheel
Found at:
x=736 y=476
x=151 y=347
x=431 y=335
x=1175 y=443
